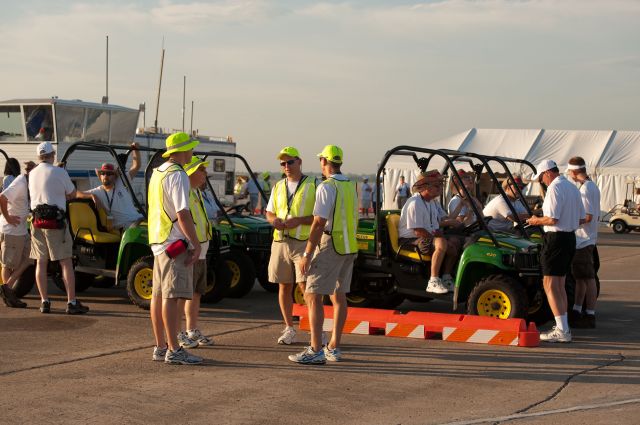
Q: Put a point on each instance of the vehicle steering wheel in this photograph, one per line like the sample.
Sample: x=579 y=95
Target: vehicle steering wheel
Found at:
x=237 y=209
x=475 y=226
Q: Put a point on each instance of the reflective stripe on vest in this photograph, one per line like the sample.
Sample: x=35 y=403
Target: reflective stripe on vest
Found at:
x=301 y=206
x=204 y=231
x=345 y=216
x=160 y=224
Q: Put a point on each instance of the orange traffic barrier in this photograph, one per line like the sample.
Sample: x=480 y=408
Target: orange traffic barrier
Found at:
x=452 y=327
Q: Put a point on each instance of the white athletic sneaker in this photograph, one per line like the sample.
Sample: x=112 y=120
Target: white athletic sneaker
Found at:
x=159 y=353
x=555 y=335
x=185 y=341
x=436 y=286
x=288 y=336
x=332 y=355
x=308 y=356
x=182 y=356
x=196 y=335
x=448 y=282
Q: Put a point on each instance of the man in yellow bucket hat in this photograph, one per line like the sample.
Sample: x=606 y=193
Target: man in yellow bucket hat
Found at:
x=175 y=245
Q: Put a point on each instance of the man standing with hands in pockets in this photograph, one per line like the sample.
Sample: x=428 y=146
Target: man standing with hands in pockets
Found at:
x=290 y=212
x=175 y=246
x=329 y=255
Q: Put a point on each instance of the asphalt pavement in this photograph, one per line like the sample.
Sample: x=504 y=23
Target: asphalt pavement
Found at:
x=97 y=368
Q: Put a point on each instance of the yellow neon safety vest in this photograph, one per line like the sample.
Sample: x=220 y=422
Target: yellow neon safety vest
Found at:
x=299 y=205
x=204 y=230
x=160 y=224
x=345 y=216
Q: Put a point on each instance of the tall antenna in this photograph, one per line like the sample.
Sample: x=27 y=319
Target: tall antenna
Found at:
x=105 y=99
x=191 y=129
x=155 y=122
x=184 y=92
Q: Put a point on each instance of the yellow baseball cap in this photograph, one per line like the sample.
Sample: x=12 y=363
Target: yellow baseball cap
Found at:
x=331 y=153
x=194 y=164
x=289 y=151
x=179 y=142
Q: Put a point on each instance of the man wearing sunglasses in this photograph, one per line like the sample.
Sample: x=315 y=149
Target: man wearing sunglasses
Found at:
x=112 y=196
x=563 y=213
x=290 y=212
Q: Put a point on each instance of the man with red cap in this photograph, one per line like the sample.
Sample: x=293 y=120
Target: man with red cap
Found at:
x=420 y=222
x=112 y=195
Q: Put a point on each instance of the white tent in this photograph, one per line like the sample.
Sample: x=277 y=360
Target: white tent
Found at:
x=612 y=157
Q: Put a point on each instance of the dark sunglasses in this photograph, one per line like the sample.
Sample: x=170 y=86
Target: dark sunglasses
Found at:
x=107 y=173
x=289 y=162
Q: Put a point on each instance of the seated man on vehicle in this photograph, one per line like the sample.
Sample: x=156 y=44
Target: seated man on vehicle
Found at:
x=420 y=222
x=466 y=215
x=112 y=195
x=502 y=219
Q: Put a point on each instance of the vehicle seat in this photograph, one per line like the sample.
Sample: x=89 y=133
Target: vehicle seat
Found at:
x=392 y=227
x=84 y=224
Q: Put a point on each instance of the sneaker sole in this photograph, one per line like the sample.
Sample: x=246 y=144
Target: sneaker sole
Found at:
x=284 y=343
x=188 y=345
x=311 y=363
x=182 y=362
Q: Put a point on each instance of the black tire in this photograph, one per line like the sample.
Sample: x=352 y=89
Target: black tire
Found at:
x=619 y=226
x=539 y=310
x=263 y=280
x=83 y=281
x=243 y=274
x=498 y=296
x=415 y=299
x=391 y=301
x=139 y=282
x=103 y=282
x=218 y=281
x=361 y=300
x=27 y=281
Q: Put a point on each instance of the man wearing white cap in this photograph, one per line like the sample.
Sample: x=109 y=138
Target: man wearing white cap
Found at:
x=49 y=189
x=562 y=214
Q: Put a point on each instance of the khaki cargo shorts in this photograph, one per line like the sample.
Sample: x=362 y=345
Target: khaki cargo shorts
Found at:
x=171 y=277
x=329 y=272
x=15 y=250
x=200 y=277
x=51 y=244
x=284 y=260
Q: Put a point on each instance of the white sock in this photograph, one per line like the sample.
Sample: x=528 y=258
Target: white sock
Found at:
x=591 y=312
x=73 y=301
x=44 y=299
x=562 y=323
x=288 y=327
x=577 y=308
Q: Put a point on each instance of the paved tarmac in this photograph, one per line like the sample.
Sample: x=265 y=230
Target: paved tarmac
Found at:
x=97 y=368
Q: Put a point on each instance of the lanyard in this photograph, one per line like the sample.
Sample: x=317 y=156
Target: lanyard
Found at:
x=290 y=197
x=110 y=201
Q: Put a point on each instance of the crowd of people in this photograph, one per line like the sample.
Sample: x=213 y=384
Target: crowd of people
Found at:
x=314 y=241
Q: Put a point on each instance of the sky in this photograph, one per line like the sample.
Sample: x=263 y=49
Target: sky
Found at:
x=366 y=75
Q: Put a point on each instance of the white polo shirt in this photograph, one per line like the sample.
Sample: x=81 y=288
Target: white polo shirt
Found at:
x=119 y=204
x=587 y=234
x=499 y=210
x=18 y=206
x=326 y=200
x=419 y=214
x=49 y=184
x=563 y=202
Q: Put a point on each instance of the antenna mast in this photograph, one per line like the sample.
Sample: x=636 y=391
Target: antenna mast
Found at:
x=184 y=92
x=155 y=123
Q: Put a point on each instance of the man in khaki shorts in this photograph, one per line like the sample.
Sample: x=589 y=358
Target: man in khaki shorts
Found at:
x=191 y=337
x=49 y=189
x=15 y=239
x=332 y=244
x=290 y=212
x=175 y=246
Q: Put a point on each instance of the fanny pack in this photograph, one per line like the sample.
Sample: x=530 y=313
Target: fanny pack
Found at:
x=176 y=248
x=48 y=217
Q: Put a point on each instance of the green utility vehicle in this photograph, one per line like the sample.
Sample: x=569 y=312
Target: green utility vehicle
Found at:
x=101 y=254
x=498 y=274
x=250 y=237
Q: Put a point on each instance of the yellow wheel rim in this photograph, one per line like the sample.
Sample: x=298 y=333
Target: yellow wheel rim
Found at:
x=235 y=273
x=142 y=283
x=298 y=296
x=494 y=303
x=355 y=299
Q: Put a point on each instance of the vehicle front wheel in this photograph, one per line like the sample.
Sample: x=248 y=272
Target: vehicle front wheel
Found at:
x=243 y=274
x=140 y=282
x=499 y=296
x=218 y=281
x=619 y=226
x=25 y=283
x=83 y=281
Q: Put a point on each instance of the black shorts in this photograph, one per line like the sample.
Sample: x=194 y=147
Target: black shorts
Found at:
x=557 y=253
x=583 y=265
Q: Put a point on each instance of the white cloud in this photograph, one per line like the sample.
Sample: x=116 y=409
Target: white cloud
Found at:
x=184 y=17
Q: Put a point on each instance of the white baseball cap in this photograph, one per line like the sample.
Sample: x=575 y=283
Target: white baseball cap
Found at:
x=44 y=148
x=543 y=166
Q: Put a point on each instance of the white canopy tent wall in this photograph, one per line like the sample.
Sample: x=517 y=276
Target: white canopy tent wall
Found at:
x=612 y=157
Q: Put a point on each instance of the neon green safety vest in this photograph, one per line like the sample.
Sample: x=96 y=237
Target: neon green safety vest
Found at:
x=204 y=230
x=345 y=216
x=160 y=224
x=298 y=205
